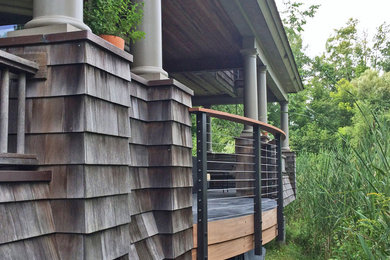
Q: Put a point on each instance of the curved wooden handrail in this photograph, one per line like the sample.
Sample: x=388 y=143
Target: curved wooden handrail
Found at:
x=239 y=119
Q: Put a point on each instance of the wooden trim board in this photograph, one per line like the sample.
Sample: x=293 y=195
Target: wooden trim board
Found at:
x=228 y=229
x=239 y=119
x=237 y=246
x=25 y=176
x=231 y=237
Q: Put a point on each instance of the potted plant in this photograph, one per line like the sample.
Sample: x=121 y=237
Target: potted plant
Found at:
x=114 y=20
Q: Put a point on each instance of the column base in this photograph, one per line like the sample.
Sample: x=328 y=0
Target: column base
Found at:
x=150 y=72
x=54 y=20
x=49 y=29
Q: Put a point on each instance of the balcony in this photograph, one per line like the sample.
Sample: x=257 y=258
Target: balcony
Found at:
x=239 y=187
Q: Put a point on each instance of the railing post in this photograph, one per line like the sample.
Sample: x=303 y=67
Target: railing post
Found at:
x=21 y=113
x=280 y=214
x=4 y=107
x=257 y=203
x=201 y=148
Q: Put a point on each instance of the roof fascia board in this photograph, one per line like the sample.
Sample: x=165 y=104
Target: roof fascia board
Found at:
x=277 y=33
x=273 y=21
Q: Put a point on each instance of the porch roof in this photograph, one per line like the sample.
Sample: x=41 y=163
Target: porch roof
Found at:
x=204 y=36
x=202 y=40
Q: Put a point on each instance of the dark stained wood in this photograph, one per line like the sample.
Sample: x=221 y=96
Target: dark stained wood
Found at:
x=171 y=83
x=39 y=58
x=216 y=100
x=160 y=156
x=107 y=244
x=18 y=159
x=17 y=64
x=288 y=192
x=142 y=226
x=173 y=222
x=196 y=30
x=107 y=180
x=88 y=216
x=239 y=119
x=25 y=176
x=198 y=84
x=177 y=244
x=232 y=237
x=164 y=177
x=168 y=111
x=160 y=150
x=163 y=133
x=150 y=248
x=78 y=125
x=66 y=37
x=23 y=220
x=43 y=247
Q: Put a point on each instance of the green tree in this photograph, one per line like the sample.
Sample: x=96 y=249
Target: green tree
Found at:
x=381 y=53
x=347 y=52
x=296 y=15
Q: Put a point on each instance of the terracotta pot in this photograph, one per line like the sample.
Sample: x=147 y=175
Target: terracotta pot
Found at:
x=114 y=40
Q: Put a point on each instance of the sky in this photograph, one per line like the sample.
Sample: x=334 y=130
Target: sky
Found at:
x=334 y=14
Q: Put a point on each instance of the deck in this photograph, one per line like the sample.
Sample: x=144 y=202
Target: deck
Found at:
x=231 y=224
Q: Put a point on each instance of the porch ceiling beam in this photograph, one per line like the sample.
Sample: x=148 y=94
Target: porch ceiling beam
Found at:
x=204 y=64
x=216 y=100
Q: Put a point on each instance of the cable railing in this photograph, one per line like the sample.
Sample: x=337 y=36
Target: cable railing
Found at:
x=236 y=173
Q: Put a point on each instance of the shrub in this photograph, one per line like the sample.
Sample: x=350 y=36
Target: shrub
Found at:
x=114 y=17
x=344 y=196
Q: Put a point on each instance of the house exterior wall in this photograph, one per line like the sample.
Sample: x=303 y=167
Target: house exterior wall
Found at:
x=291 y=168
x=161 y=133
x=119 y=152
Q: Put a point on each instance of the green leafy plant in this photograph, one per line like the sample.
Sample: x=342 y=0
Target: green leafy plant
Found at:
x=114 y=17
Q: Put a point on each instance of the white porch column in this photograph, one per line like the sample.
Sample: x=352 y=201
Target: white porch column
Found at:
x=148 y=51
x=262 y=93
x=51 y=12
x=284 y=123
x=250 y=84
x=54 y=16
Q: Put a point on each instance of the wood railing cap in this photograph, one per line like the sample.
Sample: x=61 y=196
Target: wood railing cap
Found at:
x=239 y=119
x=17 y=64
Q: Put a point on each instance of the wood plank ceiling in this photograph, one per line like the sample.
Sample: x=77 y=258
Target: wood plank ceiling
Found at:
x=199 y=39
x=199 y=35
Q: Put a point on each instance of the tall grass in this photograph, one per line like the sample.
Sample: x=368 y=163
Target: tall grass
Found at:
x=343 y=206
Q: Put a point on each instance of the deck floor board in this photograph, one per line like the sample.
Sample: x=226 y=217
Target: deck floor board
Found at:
x=224 y=205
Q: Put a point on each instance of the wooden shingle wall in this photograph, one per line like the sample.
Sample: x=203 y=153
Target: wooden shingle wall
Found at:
x=291 y=168
x=77 y=124
x=120 y=155
x=161 y=226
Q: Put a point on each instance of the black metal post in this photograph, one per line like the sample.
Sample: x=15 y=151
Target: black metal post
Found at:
x=201 y=152
x=280 y=214
x=257 y=200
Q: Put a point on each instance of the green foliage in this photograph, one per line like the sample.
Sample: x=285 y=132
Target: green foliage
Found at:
x=114 y=17
x=344 y=195
x=294 y=22
x=381 y=48
x=223 y=131
x=347 y=52
x=340 y=126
